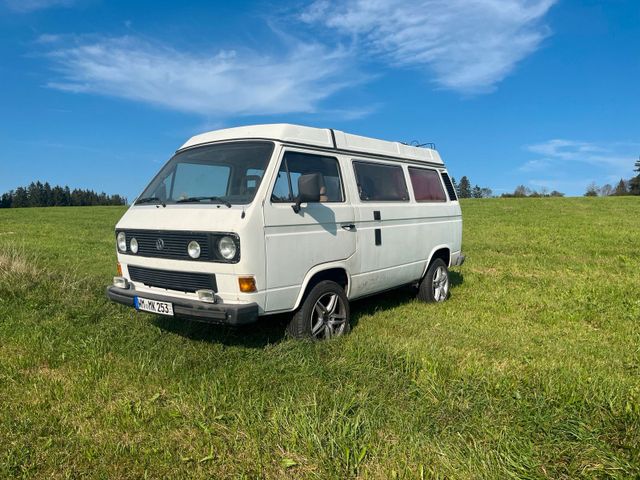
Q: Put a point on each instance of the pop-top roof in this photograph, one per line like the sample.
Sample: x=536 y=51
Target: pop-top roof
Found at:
x=319 y=137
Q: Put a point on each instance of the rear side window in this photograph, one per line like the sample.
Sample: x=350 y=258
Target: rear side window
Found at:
x=450 y=188
x=295 y=164
x=426 y=185
x=380 y=182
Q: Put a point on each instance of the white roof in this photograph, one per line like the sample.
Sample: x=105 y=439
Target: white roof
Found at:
x=320 y=137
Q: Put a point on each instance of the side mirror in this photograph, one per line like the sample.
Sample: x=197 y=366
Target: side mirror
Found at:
x=308 y=189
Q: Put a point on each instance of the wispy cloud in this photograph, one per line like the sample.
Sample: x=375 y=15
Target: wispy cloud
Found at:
x=618 y=157
x=26 y=6
x=470 y=45
x=221 y=83
x=570 y=165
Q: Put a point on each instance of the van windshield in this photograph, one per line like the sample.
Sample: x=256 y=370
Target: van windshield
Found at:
x=226 y=173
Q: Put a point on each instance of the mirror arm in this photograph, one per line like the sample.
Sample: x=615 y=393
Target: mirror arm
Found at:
x=296 y=206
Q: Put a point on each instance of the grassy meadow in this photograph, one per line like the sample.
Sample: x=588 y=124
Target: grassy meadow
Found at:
x=530 y=370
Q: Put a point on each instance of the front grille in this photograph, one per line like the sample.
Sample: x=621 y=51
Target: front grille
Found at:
x=173 y=244
x=181 y=281
x=450 y=190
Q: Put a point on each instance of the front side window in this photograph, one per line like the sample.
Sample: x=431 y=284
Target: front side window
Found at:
x=295 y=164
x=426 y=185
x=227 y=173
x=380 y=182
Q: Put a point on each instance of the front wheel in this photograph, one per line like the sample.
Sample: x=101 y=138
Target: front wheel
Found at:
x=324 y=313
x=434 y=286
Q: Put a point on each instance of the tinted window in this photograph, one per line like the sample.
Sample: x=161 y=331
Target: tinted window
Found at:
x=426 y=185
x=295 y=164
x=380 y=182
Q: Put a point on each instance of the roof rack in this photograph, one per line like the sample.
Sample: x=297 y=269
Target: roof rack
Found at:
x=415 y=143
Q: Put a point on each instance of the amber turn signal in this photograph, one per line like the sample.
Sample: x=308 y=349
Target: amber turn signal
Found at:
x=247 y=284
x=119 y=269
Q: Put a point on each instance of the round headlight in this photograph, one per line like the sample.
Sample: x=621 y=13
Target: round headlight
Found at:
x=193 y=249
x=133 y=245
x=227 y=247
x=122 y=242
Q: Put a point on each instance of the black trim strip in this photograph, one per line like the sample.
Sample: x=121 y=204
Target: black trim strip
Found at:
x=333 y=137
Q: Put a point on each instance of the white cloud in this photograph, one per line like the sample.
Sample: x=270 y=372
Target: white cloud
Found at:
x=571 y=165
x=618 y=157
x=470 y=45
x=25 y=6
x=222 y=83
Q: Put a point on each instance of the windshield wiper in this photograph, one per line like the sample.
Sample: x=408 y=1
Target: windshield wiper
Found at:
x=150 y=199
x=199 y=199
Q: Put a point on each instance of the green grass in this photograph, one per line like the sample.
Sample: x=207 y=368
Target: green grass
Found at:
x=530 y=370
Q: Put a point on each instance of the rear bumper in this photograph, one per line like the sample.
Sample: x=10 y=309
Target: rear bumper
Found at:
x=230 y=314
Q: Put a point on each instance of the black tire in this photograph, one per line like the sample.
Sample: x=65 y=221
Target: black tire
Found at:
x=317 y=318
x=432 y=288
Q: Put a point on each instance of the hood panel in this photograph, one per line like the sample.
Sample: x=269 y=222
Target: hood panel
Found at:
x=182 y=217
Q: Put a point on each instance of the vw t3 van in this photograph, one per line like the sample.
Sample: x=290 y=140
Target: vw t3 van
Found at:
x=258 y=220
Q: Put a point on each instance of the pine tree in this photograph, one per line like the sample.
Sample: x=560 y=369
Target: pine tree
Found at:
x=20 y=198
x=621 y=188
x=464 y=189
x=634 y=183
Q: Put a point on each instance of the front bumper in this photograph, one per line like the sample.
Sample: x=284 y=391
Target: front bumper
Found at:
x=230 y=314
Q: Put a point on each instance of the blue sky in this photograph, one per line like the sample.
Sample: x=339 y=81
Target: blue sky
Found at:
x=98 y=94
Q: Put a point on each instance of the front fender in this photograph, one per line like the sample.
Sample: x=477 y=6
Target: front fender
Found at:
x=318 y=269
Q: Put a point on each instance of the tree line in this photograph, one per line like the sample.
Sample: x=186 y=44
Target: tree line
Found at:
x=465 y=190
x=623 y=187
x=522 y=191
x=39 y=194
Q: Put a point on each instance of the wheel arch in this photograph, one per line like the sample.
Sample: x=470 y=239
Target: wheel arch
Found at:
x=439 y=251
x=336 y=272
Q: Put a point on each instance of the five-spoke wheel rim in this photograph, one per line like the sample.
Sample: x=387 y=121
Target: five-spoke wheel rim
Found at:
x=440 y=284
x=329 y=317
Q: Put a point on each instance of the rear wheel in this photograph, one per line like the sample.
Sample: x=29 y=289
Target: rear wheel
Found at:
x=434 y=286
x=324 y=313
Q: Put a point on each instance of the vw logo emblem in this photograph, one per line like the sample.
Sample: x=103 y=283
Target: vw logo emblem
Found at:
x=159 y=244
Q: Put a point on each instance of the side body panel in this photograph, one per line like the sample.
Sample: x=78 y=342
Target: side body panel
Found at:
x=396 y=239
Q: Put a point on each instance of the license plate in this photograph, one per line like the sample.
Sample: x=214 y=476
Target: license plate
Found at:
x=153 y=306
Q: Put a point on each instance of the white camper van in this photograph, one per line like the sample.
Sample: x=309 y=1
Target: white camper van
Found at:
x=265 y=219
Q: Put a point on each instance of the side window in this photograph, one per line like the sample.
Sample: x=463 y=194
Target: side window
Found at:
x=380 y=182
x=426 y=185
x=295 y=164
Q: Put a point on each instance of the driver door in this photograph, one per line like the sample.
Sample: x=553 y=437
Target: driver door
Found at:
x=320 y=233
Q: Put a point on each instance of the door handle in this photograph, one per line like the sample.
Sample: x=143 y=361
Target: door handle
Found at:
x=349 y=226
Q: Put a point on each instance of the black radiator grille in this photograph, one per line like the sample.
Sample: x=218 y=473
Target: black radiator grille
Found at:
x=181 y=281
x=174 y=244
x=450 y=189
